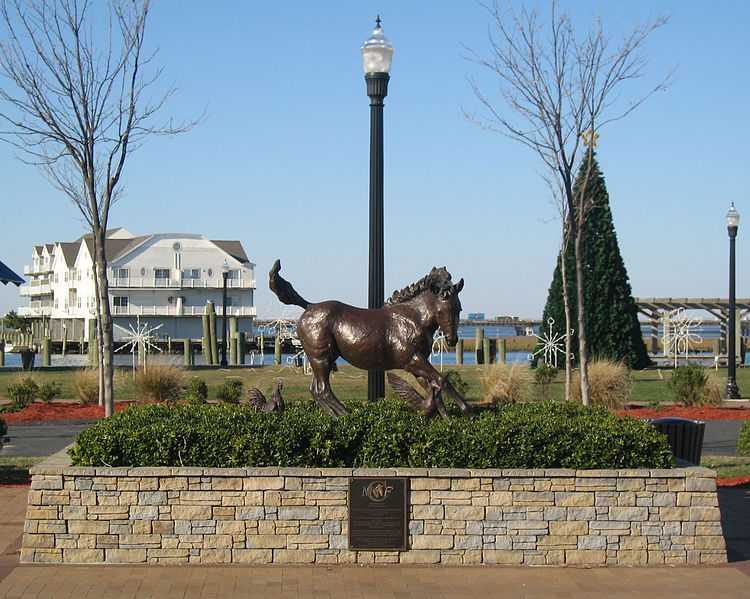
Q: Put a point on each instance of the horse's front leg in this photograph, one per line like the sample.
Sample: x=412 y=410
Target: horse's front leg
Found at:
x=466 y=409
x=431 y=380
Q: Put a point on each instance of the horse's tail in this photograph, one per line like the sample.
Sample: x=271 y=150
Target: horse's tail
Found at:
x=283 y=288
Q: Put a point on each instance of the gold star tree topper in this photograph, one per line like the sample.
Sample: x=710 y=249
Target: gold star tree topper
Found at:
x=590 y=138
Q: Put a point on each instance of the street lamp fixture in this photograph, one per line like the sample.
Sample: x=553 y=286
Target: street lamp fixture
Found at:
x=732 y=391
x=224 y=273
x=377 y=52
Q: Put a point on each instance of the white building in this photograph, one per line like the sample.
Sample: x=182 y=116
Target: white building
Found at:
x=162 y=279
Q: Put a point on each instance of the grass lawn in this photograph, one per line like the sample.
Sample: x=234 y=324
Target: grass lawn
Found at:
x=650 y=385
x=727 y=466
x=15 y=471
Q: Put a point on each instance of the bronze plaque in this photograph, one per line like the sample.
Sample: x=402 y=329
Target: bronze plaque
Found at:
x=378 y=514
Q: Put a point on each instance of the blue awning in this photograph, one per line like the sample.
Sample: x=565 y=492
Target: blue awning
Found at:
x=8 y=276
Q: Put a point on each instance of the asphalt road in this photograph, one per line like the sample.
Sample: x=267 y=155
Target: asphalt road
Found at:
x=44 y=439
x=41 y=439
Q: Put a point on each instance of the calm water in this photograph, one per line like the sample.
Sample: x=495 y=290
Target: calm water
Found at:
x=78 y=360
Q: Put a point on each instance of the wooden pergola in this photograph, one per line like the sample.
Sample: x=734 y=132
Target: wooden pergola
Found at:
x=657 y=309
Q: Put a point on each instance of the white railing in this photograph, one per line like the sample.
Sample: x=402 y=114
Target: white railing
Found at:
x=36 y=288
x=132 y=310
x=38 y=311
x=150 y=282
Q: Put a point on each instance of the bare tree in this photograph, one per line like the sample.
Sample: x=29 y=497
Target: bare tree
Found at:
x=556 y=89
x=75 y=103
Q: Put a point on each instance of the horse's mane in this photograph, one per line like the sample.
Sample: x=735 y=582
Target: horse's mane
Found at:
x=438 y=281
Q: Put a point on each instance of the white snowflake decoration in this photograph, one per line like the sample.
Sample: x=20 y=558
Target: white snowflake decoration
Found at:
x=438 y=347
x=552 y=345
x=681 y=334
x=139 y=340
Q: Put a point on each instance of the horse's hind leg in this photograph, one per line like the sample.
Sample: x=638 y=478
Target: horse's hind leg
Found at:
x=466 y=409
x=320 y=389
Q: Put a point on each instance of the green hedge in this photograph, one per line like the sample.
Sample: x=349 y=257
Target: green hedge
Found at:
x=383 y=434
x=743 y=443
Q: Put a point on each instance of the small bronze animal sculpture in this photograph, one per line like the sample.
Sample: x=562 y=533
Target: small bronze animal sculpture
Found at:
x=258 y=402
x=399 y=335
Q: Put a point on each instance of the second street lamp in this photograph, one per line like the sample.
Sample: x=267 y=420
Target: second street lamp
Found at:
x=224 y=273
x=732 y=391
x=377 y=52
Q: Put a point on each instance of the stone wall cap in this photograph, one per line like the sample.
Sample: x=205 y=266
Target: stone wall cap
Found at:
x=449 y=472
x=597 y=473
x=411 y=471
x=186 y=471
x=225 y=472
x=44 y=469
x=333 y=472
x=262 y=471
x=668 y=473
x=78 y=471
x=289 y=471
x=146 y=471
x=374 y=472
x=117 y=471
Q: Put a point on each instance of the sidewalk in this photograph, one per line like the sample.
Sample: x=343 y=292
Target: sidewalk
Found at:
x=36 y=581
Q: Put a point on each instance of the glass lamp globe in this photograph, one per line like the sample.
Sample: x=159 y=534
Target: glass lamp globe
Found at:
x=733 y=217
x=377 y=52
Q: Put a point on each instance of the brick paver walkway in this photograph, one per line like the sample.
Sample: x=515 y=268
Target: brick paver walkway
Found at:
x=37 y=581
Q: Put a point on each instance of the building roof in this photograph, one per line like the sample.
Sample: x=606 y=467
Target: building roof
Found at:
x=8 y=276
x=233 y=248
x=70 y=252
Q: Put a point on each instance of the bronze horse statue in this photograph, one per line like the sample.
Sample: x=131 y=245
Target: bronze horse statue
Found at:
x=399 y=335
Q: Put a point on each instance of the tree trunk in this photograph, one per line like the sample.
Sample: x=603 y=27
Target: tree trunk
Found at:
x=568 y=326
x=105 y=324
x=582 y=351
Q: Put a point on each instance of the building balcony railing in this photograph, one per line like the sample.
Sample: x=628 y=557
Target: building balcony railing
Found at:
x=132 y=310
x=36 y=288
x=36 y=270
x=29 y=311
x=154 y=283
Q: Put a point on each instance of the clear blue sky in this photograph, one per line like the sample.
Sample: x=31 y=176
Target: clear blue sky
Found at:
x=281 y=160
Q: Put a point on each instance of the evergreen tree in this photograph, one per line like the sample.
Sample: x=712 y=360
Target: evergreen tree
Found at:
x=611 y=316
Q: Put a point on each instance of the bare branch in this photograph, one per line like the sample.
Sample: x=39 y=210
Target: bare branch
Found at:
x=553 y=88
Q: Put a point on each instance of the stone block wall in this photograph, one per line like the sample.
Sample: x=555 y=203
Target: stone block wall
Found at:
x=298 y=515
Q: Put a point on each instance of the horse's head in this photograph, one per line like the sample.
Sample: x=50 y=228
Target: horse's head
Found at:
x=448 y=307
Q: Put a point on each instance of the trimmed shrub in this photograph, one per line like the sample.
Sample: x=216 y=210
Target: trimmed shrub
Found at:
x=230 y=391
x=386 y=433
x=3 y=431
x=48 y=391
x=454 y=378
x=22 y=394
x=610 y=384
x=86 y=384
x=197 y=391
x=692 y=385
x=743 y=443
x=506 y=383
x=544 y=374
x=160 y=381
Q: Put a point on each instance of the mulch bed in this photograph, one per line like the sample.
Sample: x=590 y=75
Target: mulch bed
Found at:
x=38 y=412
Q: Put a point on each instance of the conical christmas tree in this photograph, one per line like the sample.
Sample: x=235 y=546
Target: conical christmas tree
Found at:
x=611 y=316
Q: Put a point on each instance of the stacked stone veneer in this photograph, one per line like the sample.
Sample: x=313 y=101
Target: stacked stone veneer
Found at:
x=295 y=515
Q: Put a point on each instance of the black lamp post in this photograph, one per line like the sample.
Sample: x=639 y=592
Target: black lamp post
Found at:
x=732 y=391
x=224 y=273
x=377 y=52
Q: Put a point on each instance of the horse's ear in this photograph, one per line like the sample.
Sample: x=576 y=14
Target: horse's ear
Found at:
x=459 y=285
